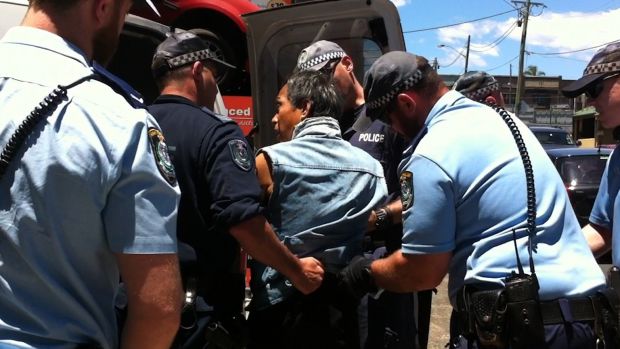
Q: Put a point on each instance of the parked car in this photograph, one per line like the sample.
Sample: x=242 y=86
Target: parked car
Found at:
x=581 y=170
x=554 y=137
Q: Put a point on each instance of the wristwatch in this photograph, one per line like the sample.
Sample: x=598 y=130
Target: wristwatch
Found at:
x=384 y=219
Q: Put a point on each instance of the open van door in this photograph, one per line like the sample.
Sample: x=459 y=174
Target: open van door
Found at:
x=365 y=29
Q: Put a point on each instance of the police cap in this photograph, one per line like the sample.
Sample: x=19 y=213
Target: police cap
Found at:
x=180 y=49
x=476 y=85
x=604 y=62
x=391 y=74
x=317 y=55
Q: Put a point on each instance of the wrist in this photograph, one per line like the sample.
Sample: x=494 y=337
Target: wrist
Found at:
x=383 y=218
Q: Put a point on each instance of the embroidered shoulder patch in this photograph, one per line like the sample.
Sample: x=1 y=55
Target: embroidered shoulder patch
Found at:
x=160 y=152
x=406 y=189
x=240 y=154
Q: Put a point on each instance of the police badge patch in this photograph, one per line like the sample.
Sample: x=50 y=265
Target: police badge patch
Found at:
x=160 y=152
x=240 y=154
x=406 y=189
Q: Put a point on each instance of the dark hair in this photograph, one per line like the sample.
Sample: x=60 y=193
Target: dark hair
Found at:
x=316 y=88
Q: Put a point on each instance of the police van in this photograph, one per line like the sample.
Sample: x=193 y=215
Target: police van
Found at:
x=365 y=29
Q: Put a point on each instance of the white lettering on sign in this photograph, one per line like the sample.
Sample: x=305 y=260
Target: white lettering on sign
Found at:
x=372 y=137
x=239 y=112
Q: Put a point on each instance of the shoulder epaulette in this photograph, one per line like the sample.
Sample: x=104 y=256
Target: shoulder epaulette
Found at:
x=133 y=97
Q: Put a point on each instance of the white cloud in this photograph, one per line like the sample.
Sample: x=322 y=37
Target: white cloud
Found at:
x=399 y=3
x=561 y=32
x=549 y=32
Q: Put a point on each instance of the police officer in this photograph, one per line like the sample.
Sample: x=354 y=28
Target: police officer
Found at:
x=384 y=328
x=481 y=87
x=85 y=189
x=220 y=196
x=468 y=216
x=600 y=85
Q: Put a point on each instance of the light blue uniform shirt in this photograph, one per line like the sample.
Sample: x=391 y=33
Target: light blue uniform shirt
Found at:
x=84 y=186
x=607 y=204
x=469 y=193
x=323 y=191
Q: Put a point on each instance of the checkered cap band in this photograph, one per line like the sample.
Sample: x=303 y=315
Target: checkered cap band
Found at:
x=182 y=60
x=482 y=93
x=602 y=68
x=320 y=59
x=405 y=85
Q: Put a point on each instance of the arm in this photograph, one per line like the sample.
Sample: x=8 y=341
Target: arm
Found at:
x=598 y=238
x=263 y=172
x=410 y=272
x=154 y=297
x=260 y=242
x=395 y=214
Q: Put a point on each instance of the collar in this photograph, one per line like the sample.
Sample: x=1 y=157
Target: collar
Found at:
x=174 y=99
x=317 y=126
x=445 y=102
x=43 y=39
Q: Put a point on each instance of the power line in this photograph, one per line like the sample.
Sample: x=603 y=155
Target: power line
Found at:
x=499 y=66
x=455 y=24
x=498 y=40
x=574 y=51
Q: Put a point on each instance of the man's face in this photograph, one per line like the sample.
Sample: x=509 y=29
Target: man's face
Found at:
x=106 y=38
x=286 y=117
x=607 y=102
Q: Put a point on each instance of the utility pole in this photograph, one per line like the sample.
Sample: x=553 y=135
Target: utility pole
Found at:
x=525 y=12
x=467 y=53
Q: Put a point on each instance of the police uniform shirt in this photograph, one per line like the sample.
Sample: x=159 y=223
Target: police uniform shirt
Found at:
x=85 y=185
x=463 y=190
x=607 y=204
x=219 y=188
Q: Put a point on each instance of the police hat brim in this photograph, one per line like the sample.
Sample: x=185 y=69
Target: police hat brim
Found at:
x=580 y=86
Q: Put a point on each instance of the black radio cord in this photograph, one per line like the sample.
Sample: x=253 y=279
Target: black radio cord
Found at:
x=529 y=180
x=49 y=104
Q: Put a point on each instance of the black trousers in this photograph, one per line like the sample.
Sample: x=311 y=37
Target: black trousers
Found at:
x=325 y=319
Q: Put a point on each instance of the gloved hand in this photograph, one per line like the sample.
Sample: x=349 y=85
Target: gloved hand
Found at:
x=356 y=278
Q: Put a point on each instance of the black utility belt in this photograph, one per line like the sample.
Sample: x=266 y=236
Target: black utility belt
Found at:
x=571 y=310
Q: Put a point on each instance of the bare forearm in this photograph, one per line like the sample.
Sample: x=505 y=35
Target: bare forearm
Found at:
x=156 y=330
x=406 y=273
x=598 y=238
x=259 y=241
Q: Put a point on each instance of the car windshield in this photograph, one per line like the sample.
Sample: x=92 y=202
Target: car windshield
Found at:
x=582 y=170
x=554 y=137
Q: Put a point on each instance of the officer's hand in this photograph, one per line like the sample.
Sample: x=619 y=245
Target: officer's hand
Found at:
x=356 y=279
x=312 y=270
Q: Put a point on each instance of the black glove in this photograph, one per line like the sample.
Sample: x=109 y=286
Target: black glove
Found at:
x=356 y=278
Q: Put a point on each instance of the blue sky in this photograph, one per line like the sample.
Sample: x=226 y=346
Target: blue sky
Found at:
x=560 y=26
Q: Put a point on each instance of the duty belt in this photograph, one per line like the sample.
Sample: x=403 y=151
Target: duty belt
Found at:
x=571 y=309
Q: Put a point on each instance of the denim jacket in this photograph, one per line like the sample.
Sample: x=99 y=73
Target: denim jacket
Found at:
x=324 y=190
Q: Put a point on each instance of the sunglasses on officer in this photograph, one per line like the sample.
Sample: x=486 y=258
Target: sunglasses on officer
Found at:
x=328 y=69
x=593 y=91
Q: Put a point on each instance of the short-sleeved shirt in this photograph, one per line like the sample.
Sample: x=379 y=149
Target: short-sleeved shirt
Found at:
x=386 y=146
x=219 y=189
x=85 y=185
x=464 y=191
x=607 y=205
